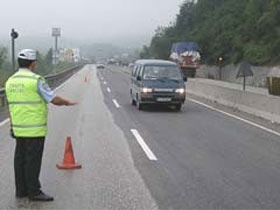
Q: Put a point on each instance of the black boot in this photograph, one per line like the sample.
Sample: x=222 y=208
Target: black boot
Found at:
x=21 y=195
x=41 y=197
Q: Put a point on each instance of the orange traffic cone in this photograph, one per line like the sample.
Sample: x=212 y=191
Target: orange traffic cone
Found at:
x=86 y=80
x=69 y=159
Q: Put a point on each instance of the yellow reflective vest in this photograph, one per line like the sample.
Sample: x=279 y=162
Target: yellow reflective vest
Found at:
x=28 y=110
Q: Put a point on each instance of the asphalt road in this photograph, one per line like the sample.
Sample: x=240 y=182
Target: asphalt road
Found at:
x=206 y=160
x=108 y=178
x=193 y=159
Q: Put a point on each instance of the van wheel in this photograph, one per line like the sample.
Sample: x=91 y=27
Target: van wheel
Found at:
x=132 y=101
x=178 y=107
x=139 y=105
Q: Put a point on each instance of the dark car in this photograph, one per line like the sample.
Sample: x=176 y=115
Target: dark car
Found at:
x=100 y=66
x=157 y=82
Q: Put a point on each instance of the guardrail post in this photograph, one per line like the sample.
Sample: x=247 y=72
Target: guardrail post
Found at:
x=3 y=101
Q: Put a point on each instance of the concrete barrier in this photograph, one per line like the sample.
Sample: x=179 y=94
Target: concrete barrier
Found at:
x=258 y=103
x=229 y=73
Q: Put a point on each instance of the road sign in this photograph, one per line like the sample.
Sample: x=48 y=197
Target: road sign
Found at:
x=14 y=35
x=244 y=70
x=56 y=32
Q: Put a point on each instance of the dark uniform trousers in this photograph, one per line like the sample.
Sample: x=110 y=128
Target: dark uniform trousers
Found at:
x=27 y=164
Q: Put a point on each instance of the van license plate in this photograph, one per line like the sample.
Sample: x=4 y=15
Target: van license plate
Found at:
x=163 y=99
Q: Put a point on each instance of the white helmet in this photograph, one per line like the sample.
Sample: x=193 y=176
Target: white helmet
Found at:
x=28 y=54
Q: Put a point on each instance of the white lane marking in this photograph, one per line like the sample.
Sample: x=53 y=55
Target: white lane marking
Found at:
x=101 y=78
x=143 y=144
x=104 y=82
x=236 y=117
x=4 y=122
x=109 y=90
x=116 y=103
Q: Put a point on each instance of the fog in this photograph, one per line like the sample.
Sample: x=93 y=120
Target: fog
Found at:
x=122 y=22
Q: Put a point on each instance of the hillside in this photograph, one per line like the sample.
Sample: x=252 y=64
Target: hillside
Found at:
x=236 y=29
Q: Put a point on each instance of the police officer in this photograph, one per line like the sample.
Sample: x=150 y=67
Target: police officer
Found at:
x=28 y=95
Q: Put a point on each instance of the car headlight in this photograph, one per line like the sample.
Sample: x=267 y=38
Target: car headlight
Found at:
x=147 y=90
x=180 y=90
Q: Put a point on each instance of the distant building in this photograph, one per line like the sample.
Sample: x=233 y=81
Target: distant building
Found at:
x=69 y=55
x=77 y=55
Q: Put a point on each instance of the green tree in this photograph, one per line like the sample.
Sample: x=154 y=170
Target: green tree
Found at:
x=145 y=53
x=238 y=30
x=49 y=57
x=3 y=55
x=42 y=65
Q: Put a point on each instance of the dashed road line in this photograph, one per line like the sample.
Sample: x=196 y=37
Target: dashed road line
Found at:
x=116 y=103
x=235 y=117
x=105 y=83
x=108 y=90
x=143 y=144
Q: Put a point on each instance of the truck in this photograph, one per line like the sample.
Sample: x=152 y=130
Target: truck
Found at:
x=187 y=56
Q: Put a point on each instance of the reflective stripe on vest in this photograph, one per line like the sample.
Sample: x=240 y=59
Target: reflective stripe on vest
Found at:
x=25 y=77
x=30 y=126
x=28 y=110
x=25 y=102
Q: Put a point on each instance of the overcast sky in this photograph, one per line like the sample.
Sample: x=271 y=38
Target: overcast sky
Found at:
x=93 y=20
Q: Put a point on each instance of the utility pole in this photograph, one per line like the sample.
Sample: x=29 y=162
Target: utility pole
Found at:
x=244 y=83
x=221 y=62
x=14 y=35
x=56 y=32
x=56 y=49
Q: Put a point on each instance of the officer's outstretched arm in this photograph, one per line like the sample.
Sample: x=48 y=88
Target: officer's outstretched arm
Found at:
x=58 y=101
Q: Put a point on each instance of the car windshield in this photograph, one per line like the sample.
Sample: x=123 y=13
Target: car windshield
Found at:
x=161 y=72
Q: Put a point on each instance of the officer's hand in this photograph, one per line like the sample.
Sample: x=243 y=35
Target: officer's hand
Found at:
x=59 y=101
x=71 y=103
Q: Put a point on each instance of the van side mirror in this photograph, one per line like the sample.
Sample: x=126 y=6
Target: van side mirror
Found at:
x=138 y=78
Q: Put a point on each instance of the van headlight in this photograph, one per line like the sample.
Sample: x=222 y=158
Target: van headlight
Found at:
x=147 y=90
x=180 y=90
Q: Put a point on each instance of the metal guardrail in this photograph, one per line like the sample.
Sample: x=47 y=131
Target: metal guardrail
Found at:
x=3 y=97
x=54 y=80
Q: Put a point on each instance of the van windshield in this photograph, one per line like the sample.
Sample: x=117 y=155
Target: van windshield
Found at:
x=162 y=72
